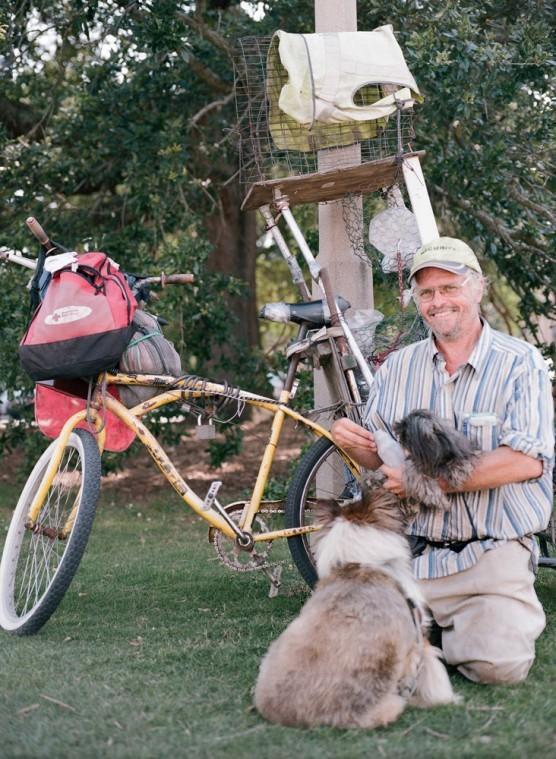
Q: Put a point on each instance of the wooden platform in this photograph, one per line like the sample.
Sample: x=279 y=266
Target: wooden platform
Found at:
x=326 y=185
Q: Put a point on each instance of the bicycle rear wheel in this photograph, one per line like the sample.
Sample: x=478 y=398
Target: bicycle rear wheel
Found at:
x=547 y=545
x=322 y=473
x=38 y=564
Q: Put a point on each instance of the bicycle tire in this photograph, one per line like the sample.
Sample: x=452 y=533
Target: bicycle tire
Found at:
x=547 y=550
x=38 y=565
x=323 y=458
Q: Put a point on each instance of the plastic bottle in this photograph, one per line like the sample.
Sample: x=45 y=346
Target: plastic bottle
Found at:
x=389 y=450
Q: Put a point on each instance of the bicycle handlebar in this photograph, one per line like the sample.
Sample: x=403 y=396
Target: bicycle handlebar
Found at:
x=42 y=237
x=17 y=258
x=168 y=279
x=37 y=230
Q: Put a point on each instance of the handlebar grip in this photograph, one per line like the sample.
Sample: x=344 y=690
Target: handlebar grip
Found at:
x=37 y=230
x=177 y=279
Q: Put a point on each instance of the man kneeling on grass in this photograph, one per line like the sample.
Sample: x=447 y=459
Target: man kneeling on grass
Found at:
x=476 y=561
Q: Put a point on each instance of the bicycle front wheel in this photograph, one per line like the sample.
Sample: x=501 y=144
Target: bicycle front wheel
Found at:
x=321 y=474
x=39 y=563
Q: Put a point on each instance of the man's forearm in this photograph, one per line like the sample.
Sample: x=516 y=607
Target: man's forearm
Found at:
x=362 y=456
x=499 y=467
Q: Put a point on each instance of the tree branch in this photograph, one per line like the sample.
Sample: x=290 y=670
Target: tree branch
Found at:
x=207 y=76
x=497 y=302
x=193 y=21
x=515 y=192
x=511 y=238
x=18 y=118
x=214 y=106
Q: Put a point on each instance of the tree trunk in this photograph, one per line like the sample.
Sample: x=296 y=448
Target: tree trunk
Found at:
x=233 y=235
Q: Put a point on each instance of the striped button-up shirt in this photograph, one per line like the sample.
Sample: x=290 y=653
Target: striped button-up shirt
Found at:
x=501 y=396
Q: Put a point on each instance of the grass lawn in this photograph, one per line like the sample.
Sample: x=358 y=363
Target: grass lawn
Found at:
x=155 y=649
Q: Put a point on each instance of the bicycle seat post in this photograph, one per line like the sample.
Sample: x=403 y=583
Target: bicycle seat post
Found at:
x=294 y=359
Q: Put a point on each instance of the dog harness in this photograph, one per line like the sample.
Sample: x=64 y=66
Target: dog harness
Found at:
x=418 y=544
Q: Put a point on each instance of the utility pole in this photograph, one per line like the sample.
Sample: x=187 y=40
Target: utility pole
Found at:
x=351 y=277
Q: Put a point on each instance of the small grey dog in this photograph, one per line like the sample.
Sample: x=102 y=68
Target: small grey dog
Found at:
x=358 y=651
x=434 y=450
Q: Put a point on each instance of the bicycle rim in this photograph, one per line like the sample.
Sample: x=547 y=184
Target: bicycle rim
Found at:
x=38 y=564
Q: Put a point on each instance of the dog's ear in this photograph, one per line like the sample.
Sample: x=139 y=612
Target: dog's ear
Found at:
x=326 y=510
x=417 y=424
x=417 y=435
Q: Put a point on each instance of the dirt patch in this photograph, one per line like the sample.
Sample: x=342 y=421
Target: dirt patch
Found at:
x=140 y=479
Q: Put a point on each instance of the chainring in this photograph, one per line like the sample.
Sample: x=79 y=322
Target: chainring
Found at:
x=230 y=554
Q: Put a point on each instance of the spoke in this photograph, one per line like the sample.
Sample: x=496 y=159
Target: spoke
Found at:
x=40 y=555
x=37 y=568
x=31 y=576
x=25 y=580
x=46 y=549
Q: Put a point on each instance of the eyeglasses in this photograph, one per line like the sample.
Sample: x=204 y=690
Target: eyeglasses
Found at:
x=425 y=294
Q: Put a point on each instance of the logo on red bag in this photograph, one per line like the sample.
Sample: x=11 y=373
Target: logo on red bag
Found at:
x=67 y=314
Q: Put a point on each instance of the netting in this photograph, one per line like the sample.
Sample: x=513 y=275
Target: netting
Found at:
x=397 y=243
x=272 y=144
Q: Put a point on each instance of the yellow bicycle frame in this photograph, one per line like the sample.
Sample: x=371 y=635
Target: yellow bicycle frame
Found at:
x=183 y=390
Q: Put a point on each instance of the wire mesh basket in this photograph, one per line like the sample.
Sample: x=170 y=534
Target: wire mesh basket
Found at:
x=272 y=144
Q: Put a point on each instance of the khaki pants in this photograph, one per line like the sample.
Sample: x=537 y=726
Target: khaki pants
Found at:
x=490 y=615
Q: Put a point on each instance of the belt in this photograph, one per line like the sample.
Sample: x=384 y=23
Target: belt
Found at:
x=418 y=544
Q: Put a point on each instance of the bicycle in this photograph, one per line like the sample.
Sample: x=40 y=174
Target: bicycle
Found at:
x=55 y=512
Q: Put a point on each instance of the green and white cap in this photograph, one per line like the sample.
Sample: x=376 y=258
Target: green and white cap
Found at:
x=445 y=253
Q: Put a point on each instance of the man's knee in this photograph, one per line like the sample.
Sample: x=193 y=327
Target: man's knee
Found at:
x=499 y=673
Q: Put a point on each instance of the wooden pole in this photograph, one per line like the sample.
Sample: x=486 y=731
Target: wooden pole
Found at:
x=351 y=277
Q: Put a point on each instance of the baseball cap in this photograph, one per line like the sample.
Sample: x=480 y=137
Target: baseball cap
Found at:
x=445 y=253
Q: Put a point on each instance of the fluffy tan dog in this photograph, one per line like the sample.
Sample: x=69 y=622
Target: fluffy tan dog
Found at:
x=357 y=653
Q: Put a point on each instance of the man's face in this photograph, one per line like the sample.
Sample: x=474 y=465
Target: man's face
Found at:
x=450 y=316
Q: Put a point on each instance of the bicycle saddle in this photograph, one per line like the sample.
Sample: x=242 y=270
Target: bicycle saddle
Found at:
x=314 y=312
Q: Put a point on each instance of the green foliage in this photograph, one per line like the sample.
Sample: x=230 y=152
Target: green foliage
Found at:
x=116 y=132
x=487 y=71
x=220 y=450
x=98 y=140
x=110 y=160
x=488 y=77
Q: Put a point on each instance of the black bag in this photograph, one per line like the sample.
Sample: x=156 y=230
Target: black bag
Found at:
x=147 y=353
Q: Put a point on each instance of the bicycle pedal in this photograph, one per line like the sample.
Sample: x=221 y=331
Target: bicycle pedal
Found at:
x=211 y=495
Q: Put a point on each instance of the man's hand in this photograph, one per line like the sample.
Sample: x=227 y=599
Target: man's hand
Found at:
x=357 y=441
x=348 y=434
x=394 y=481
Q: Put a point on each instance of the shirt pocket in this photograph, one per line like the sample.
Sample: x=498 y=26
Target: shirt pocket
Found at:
x=482 y=429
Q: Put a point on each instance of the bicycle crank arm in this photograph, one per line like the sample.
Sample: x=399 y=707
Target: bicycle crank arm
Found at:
x=244 y=539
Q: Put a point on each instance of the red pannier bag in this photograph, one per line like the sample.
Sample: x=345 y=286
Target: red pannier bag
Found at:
x=83 y=324
x=56 y=402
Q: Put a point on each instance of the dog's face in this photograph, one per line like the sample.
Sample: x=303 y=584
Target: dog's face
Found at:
x=432 y=444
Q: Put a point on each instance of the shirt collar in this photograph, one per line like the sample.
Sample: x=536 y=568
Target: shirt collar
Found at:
x=479 y=353
x=482 y=347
